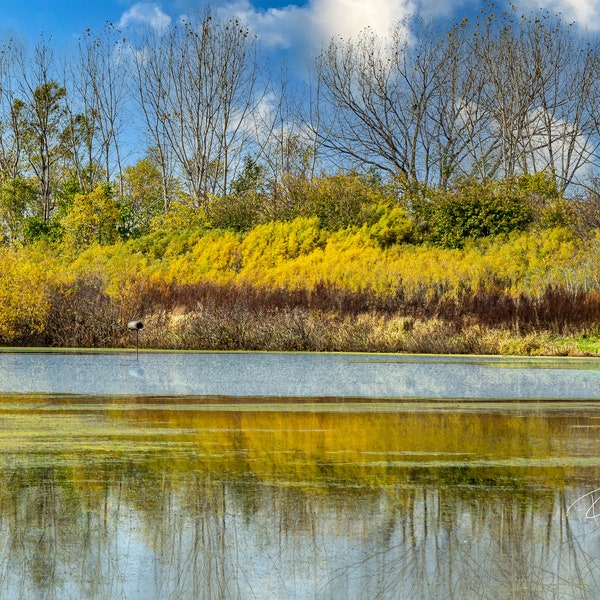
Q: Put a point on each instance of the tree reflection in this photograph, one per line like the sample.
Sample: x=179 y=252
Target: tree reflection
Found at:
x=146 y=534
x=496 y=545
x=221 y=506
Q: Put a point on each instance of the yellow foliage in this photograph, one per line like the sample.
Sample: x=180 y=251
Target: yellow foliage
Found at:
x=23 y=304
x=300 y=254
x=341 y=200
x=122 y=272
x=180 y=216
x=94 y=217
x=212 y=257
x=295 y=255
x=272 y=244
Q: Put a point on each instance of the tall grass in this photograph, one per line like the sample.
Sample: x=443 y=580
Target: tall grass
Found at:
x=212 y=316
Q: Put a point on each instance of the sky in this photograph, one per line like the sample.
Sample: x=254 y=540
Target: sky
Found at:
x=299 y=28
x=293 y=33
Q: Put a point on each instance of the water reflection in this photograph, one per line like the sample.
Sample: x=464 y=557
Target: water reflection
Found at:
x=164 y=498
x=299 y=375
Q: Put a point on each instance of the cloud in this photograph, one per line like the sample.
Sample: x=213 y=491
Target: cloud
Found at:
x=585 y=13
x=347 y=18
x=145 y=13
x=313 y=25
x=281 y=28
x=309 y=26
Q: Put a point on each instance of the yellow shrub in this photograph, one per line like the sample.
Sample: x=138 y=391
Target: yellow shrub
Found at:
x=275 y=242
x=294 y=255
x=23 y=303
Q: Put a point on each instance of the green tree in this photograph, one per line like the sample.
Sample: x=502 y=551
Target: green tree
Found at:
x=17 y=204
x=77 y=145
x=42 y=123
x=37 y=228
x=142 y=200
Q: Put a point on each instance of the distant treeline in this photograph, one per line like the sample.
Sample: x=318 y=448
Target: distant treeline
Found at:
x=228 y=143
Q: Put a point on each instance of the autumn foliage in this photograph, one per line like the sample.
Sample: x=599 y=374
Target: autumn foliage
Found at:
x=378 y=281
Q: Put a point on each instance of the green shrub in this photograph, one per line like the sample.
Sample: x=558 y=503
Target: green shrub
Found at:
x=238 y=212
x=471 y=210
x=343 y=200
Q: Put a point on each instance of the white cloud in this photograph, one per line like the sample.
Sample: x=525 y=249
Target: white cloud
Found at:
x=146 y=13
x=585 y=13
x=277 y=27
x=347 y=18
x=314 y=24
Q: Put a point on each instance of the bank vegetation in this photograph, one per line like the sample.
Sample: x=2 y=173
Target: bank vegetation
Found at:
x=391 y=279
x=439 y=196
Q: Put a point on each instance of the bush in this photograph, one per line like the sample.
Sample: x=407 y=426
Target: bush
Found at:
x=471 y=210
x=393 y=225
x=237 y=212
x=17 y=201
x=343 y=200
x=180 y=217
x=36 y=228
x=23 y=304
x=93 y=217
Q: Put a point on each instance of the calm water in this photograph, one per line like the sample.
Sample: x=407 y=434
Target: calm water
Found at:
x=187 y=476
x=299 y=375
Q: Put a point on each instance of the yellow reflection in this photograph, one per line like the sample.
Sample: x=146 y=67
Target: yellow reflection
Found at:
x=359 y=444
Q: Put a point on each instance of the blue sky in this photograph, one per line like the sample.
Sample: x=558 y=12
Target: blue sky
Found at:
x=292 y=31
x=297 y=27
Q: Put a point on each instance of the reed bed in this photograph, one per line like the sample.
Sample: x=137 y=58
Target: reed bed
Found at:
x=210 y=316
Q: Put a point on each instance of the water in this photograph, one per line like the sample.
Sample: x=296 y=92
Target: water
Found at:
x=185 y=476
x=299 y=375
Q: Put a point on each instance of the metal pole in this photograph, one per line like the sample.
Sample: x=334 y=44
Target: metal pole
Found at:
x=136 y=326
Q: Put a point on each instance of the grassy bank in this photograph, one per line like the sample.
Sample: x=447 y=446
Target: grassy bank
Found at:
x=294 y=286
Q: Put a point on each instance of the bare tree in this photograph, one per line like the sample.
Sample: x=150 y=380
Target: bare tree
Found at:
x=10 y=108
x=150 y=85
x=79 y=136
x=288 y=146
x=197 y=87
x=101 y=88
x=563 y=138
x=459 y=127
x=377 y=95
x=496 y=97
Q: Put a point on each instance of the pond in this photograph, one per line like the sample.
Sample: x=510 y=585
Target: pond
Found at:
x=298 y=476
